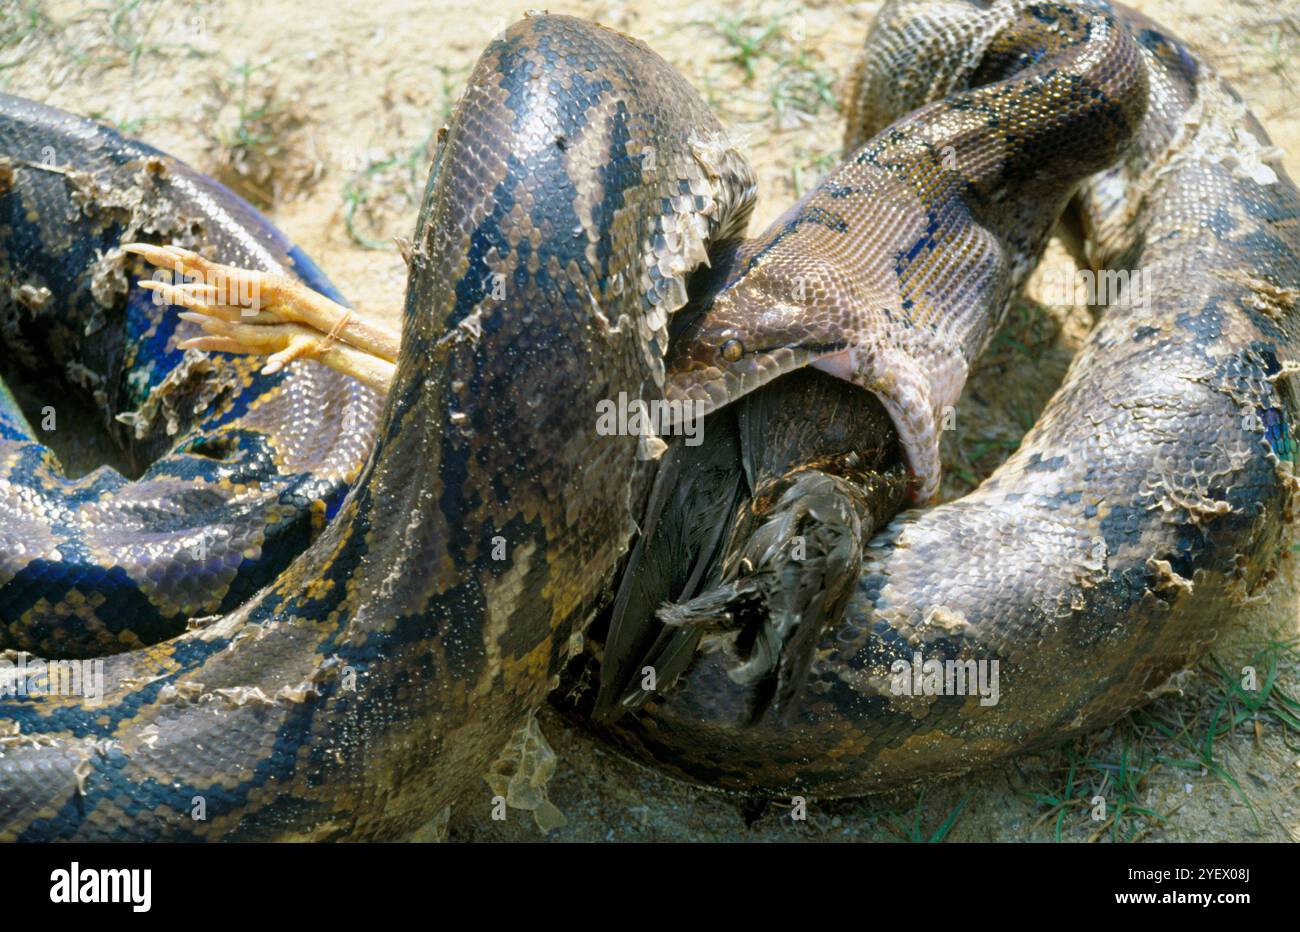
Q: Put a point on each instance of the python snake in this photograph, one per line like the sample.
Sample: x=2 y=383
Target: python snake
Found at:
x=375 y=677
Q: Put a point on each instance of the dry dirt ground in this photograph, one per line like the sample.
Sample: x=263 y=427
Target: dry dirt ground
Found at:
x=323 y=113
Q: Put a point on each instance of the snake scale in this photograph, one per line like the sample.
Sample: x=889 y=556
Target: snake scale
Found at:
x=373 y=678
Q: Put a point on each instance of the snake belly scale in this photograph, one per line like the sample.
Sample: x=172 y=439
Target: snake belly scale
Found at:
x=374 y=677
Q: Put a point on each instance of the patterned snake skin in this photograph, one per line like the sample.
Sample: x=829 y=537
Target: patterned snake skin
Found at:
x=904 y=309
x=98 y=564
x=374 y=681
x=378 y=675
x=1145 y=506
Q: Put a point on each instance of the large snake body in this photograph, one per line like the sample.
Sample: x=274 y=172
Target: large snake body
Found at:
x=1142 y=510
x=379 y=675
x=375 y=679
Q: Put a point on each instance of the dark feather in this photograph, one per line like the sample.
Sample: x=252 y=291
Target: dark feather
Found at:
x=753 y=542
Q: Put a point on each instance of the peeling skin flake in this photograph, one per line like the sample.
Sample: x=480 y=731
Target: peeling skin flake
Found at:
x=197 y=380
x=521 y=773
x=182 y=690
x=1167 y=578
x=242 y=695
x=136 y=205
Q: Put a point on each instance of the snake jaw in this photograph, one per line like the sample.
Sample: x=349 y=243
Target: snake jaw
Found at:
x=913 y=399
x=786 y=313
x=709 y=386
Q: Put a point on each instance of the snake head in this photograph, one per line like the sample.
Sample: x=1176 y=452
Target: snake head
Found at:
x=773 y=320
x=788 y=311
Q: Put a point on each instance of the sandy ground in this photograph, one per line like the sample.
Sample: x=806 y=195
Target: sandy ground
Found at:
x=323 y=114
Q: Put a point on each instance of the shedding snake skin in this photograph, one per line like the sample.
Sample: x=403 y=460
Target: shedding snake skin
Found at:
x=244 y=469
x=376 y=677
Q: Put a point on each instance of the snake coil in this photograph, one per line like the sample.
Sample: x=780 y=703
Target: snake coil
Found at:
x=355 y=690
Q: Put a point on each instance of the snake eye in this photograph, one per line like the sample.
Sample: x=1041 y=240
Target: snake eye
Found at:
x=732 y=350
